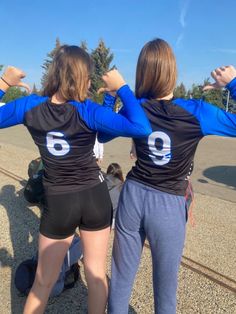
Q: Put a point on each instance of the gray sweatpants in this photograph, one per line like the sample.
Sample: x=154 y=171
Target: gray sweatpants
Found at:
x=144 y=212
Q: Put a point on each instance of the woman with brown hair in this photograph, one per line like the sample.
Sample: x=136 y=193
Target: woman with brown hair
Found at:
x=152 y=203
x=63 y=124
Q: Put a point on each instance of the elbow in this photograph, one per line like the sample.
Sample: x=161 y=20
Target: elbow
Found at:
x=148 y=130
x=145 y=131
x=104 y=137
x=104 y=140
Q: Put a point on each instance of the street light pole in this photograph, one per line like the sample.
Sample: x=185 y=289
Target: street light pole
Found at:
x=227 y=102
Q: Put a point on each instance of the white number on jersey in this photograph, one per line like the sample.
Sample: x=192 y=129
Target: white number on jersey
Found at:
x=55 y=145
x=160 y=156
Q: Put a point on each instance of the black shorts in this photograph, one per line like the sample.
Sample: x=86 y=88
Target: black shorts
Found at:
x=90 y=209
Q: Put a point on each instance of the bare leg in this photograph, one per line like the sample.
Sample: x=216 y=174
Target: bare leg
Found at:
x=95 y=244
x=51 y=256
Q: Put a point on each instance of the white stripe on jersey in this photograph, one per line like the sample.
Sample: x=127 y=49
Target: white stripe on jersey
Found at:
x=101 y=177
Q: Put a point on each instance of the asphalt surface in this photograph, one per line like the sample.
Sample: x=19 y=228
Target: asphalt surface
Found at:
x=214 y=167
x=211 y=243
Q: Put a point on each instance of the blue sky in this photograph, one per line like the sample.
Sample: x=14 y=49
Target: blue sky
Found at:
x=201 y=32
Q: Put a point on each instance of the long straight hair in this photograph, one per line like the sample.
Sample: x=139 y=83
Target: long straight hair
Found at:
x=156 y=71
x=69 y=74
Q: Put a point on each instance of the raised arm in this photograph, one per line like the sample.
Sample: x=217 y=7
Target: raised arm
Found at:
x=222 y=76
x=132 y=123
x=13 y=112
x=12 y=77
x=109 y=101
x=213 y=120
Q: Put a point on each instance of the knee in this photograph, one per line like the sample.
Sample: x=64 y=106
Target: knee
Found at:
x=95 y=278
x=44 y=282
x=97 y=282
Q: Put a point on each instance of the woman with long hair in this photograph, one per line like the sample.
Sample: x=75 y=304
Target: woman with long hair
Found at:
x=152 y=205
x=63 y=124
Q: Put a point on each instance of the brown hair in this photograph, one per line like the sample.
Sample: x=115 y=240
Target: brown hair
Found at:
x=69 y=73
x=116 y=171
x=156 y=72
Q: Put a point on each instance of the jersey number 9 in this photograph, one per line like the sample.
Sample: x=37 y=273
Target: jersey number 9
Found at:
x=159 y=144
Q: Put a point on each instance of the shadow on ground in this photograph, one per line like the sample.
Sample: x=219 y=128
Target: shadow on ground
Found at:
x=221 y=174
x=23 y=232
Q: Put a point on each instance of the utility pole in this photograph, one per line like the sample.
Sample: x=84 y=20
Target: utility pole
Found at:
x=227 y=102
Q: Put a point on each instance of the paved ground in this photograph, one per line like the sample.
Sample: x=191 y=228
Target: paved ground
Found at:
x=214 y=172
x=212 y=242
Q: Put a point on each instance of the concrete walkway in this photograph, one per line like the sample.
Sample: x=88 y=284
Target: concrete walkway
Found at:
x=211 y=243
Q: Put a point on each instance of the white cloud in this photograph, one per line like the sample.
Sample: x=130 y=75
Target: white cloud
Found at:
x=179 y=40
x=182 y=20
x=183 y=13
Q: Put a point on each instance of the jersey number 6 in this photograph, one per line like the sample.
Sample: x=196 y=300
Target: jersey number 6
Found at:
x=55 y=145
x=159 y=144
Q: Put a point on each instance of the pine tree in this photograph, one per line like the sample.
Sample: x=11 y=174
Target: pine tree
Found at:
x=195 y=91
x=180 y=91
x=13 y=93
x=102 y=58
x=48 y=61
x=213 y=96
x=206 y=81
x=34 y=90
x=84 y=45
x=1 y=66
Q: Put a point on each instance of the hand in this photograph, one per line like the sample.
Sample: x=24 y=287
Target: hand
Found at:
x=103 y=90
x=13 y=77
x=113 y=81
x=99 y=161
x=222 y=77
x=132 y=155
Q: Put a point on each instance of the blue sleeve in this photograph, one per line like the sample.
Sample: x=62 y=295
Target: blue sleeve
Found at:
x=213 y=120
x=2 y=93
x=105 y=137
x=100 y=119
x=231 y=86
x=109 y=101
x=13 y=112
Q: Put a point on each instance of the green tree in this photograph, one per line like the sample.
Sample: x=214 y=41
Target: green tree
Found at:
x=102 y=58
x=84 y=45
x=195 y=92
x=213 y=96
x=48 y=61
x=206 y=82
x=180 y=91
x=226 y=97
x=1 y=66
x=13 y=93
x=231 y=105
x=35 y=90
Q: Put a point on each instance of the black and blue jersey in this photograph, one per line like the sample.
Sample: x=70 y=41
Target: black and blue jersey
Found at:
x=65 y=134
x=165 y=157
